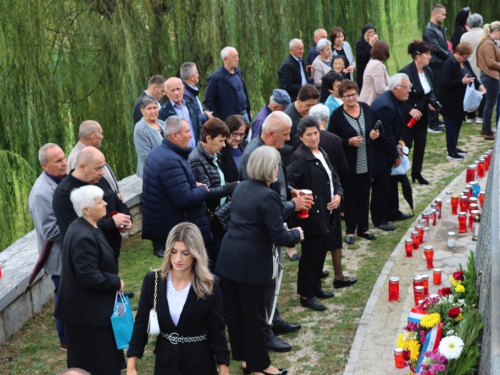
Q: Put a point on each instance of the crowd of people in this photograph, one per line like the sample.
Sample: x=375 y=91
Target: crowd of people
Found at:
x=225 y=196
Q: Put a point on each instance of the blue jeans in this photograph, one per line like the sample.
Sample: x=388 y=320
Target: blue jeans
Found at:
x=492 y=87
x=59 y=323
x=452 y=133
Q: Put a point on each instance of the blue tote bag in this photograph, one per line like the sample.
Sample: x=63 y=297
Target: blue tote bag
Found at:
x=122 y=321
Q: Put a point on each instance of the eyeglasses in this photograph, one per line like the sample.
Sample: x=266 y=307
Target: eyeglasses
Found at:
x=406 y=87
x=239 y=135
x=349 y=96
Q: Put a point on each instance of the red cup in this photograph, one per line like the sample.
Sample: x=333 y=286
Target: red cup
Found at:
x=304 y=214
x=454 y=204
x=462 y=222
x=409 y=247
x=436 y=276
x=393 y=289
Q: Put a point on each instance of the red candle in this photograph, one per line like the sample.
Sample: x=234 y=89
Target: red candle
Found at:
x=409 y=247
x=439 y=203
x=462 y=222
x=398 y=358
x=425 y=278
x=433 y=217
x=429 y=257
x=481 y=198
x=417 y=281
x=454 y=204
x=464 y=203
x=420 y=229
x=427 y=217
x=418 y=294
x=472 y=216
x=470 y=175
x=416 y=239
x=481 y=168
x=472 y=201
x=488 y=155
x=393 y=289
x=436 y=276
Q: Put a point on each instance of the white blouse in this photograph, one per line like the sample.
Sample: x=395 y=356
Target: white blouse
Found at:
x=425 y=83
x=176 y=299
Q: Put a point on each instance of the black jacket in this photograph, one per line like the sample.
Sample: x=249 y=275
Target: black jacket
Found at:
x=305 y=171
x=65 y=213
x=295 y=117
x=290 y=77
x=418 y=99
x=191 y=95
x=167 y=110
x=456 y=35
x=205 y=171
x=363 y=50
x=256 y=223
x=89 y=277
x=228 y=166
x=435 y=35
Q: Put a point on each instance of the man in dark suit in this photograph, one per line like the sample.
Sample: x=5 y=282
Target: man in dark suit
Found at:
x=226 y=93
x=156 y=88
x=177 y=106
x=292 y=73
x=389 y=110
x=190 y=78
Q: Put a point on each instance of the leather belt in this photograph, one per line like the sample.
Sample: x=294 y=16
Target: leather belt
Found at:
x=175 y=338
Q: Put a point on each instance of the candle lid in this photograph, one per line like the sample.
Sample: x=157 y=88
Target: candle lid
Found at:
x=451 y=233
x=428 y=248
x=408 y=240
x=474 y=183
x=419 y=288
x=394 y=279
x=398 y=350
x=414 y=232
x=474 y=212
x=472 y=166
x=426 y=228
x=461 y=213
x=437 y=270
x=482 y=192
x=448 y=192
x=438 y=200
x=425 y=277
x=418 y=277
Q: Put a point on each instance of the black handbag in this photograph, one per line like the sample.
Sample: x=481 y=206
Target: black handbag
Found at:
x=223 y=214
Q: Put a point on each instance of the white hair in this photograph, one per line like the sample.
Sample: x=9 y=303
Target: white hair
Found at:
x=322 y=44
x=396 y=80
x=293 y=42
x=85 y=197
x=275 y=120
x=88 y=129
x=262 y=162
x=43 y=152
x=225 y=52
x=320 y=112
x=173 y=125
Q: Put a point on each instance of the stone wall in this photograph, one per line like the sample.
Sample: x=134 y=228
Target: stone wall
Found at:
x=19 y=304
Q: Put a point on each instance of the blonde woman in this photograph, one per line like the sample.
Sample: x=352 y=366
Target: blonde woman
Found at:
x=190 y=313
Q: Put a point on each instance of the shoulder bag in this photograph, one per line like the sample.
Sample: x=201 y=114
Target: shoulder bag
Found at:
x=153 y=325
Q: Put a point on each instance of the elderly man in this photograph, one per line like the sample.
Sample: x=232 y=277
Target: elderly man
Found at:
x=170 y=193
x=190 y=78
x=275 y=131
x=292 y=73
x=434 y=34
x=156 y=88
x=90 y=134
x=177 y=106
x=226 y=93
x=278 y=101
x=54 y=166
x=313 y=53
x=308 y=97
x=388 y=109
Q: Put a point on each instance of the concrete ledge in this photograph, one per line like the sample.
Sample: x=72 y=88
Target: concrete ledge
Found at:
x=17 y=304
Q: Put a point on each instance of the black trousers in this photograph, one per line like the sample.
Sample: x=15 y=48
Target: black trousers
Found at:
x=246 y=312
x=314 y=249
x=356 y=202
x=417 y=134
x=433 y=116
x=385 y=199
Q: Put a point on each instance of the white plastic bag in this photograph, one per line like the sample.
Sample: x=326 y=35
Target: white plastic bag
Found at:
x=401 y=168
x=472 y=98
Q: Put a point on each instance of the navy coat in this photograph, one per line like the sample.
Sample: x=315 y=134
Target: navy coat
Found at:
x=167 y=110
x=170 y=195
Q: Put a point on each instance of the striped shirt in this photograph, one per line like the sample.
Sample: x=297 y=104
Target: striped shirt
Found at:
x=358 y=124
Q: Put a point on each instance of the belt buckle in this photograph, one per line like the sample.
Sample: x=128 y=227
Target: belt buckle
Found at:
x=174 y=338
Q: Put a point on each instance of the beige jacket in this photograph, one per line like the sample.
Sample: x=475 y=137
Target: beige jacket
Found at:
x=375 y=81
x=488 y=57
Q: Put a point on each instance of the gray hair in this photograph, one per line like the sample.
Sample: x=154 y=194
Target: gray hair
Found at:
x=262 y=163
x=275 y=120
x=320 y=112
x=173 y=125
x=396 y=80
x=322 y=44
x=475 y=20
x=73 y=371
x=42 y=153
x=293 y=42
x=225 y=52
x=85 y=197
x=88 y=128
x=146 y=100
x=187 y=70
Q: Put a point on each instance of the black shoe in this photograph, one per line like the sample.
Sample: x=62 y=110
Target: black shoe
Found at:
x=461 y=152
x=278 y=346
x=337 y=284
x=401 y=217
x=322 y=294
x=435 y=129
x=282 y=371
x=159 y=253
x=350 y=240
x=367 y=236
x=324 y=274
x=129 y=294
x=282 y=327
x=386 y=226
x=455 y=156
x=419 y=178
x=312 y=303
x=294 y=258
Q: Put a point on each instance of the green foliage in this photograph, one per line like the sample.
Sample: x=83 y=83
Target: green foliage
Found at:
x=471 y=296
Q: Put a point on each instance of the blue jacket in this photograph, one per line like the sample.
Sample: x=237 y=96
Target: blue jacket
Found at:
x=191 y=94
x=221 y=96
x=167 y=110
x=170 y=195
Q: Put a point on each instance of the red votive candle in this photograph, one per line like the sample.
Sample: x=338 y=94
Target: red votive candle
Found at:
x=398 y=358
x=417 y=281
x=464 y=203
x=429 y=257
x=436 y=276
x=462 y=222
x=409 y=247
x=393 y=289
x=434 y=217
x=427 y=217
x=472 y=216
x=454 y=204
x=420 y=229
x=425 y=279
x=481 y=168
x=472 y=201
x=418 y=294
x=439 y=203
x=487 y=160
x=470 y=175
x=481 y=198
x=416 y=239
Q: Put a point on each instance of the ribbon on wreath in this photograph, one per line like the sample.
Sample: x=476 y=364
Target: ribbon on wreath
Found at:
x=432 y=340
x=416 y=315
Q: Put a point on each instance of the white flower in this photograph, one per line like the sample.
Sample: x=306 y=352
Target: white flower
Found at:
x=461 y=302
x=450 y=332
x=451 y=347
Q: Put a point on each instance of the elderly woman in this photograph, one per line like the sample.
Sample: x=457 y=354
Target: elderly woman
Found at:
x=363 y=48
x=375 y=77
x=341 y=48
x=205 y=164
x=87 y=291
x=323 y=62
x=488 y=60
x=246 y=259
x=236 y=143
x=353 y=122
x=188 y=302
x=148 y=132
x=332 y=82
x=456 y=74
x=310 y=168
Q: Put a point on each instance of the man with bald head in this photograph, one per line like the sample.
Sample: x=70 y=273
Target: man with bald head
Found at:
x=89 y=170
x=177 y=106
x=313 y=52
x=226 y=93
x=292 y=73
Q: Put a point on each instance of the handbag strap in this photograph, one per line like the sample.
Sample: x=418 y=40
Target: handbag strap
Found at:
x=156 y=290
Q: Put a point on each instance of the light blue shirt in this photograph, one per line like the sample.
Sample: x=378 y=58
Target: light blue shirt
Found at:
x=304 y=80
x=184 y=112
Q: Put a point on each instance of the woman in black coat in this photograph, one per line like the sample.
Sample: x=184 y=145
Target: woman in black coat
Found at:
x=246 y=259
x=189 y=309
x=205 y=164
x=363 y=50
x=235 y=145
x=415 y=108
x=310 y=168
x=88 y=286
x=353 y=122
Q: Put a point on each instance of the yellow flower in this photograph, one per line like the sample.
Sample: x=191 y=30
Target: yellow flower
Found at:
x=404 y=339
x=454 y=282
x=459 y=288
x=430 y=320
x=459 y=317
x=414 y=348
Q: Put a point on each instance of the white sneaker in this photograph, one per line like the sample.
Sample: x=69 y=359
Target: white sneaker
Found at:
x=470 y=120
x=479 y=120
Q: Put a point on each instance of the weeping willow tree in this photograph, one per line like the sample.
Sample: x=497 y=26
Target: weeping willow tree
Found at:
x=66 y=61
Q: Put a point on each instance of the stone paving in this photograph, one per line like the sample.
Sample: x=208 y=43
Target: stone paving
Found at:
x=382 y=321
